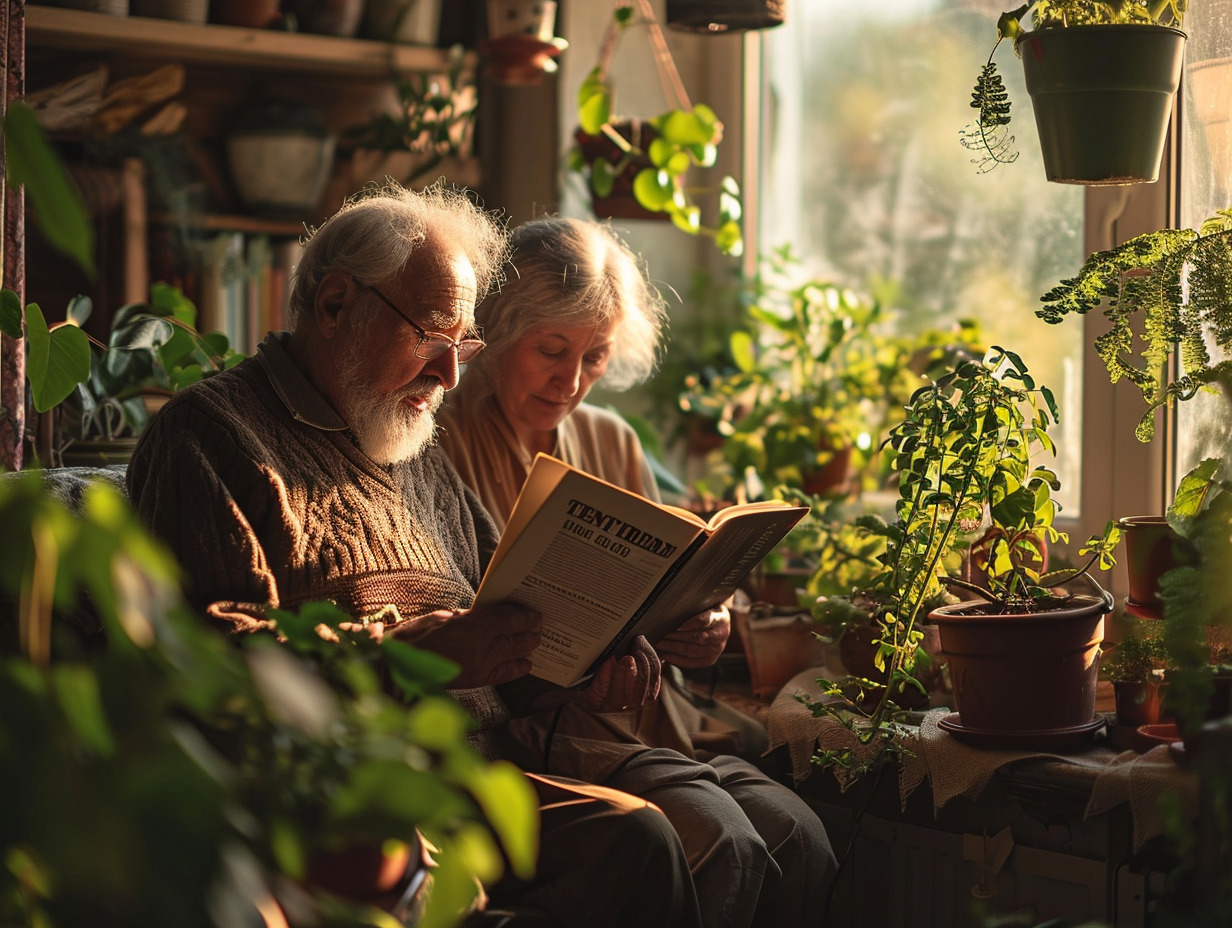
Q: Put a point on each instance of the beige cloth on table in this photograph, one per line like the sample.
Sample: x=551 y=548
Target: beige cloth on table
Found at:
x=792 y=724
x=1140 y=780
x=957 y=769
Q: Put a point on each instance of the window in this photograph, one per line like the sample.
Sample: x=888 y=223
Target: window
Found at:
x=1205 y=184
x=862 y=171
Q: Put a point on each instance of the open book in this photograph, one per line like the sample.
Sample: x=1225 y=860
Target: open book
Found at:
x=604 y=565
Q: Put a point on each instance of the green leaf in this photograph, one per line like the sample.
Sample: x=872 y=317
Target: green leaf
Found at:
x=602 y=177
x=743 y=350
x=594 y=103
x=56 y=361
x=1191 y=495
x=10 y=313
x=412 y=668
x=653 y=189
x=33 y=163
x=730 y=239
x=77 y=689
x=681 y=128
x=510 y=805
x=687 y=220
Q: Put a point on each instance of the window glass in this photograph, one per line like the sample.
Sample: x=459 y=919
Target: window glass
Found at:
x=1205 y=185
x=863 y=173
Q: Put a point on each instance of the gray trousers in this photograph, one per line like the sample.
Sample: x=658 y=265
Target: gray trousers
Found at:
x=759 y=855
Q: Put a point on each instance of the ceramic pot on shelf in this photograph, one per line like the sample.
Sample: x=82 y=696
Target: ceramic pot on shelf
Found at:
x=1151 y=550
x=280 y=154
x=184 y=11
x=250 y=14
x=1139 y=703
x=326 y=17
x=520 y=46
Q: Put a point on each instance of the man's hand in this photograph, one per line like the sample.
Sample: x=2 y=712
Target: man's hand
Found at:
x=627 y=682
x=491 y=644
x=699 y=641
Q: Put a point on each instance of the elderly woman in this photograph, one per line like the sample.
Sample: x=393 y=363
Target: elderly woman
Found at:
x=577 y=309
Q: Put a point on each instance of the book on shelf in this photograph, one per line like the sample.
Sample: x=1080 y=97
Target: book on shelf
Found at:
x=244 y=288
x=604 y=565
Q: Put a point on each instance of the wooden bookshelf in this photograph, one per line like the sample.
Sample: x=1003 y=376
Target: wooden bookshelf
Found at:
x=254 y=49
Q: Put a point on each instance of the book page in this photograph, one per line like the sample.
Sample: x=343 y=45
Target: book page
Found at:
x=740 y=541
x=587 y=557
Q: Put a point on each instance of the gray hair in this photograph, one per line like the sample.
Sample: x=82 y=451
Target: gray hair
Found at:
x=375 y=232
x=575 y=272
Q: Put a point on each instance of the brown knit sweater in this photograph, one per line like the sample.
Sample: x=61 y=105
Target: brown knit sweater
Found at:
x=259 y=489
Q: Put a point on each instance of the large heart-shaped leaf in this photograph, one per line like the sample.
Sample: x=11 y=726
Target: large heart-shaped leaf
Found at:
x=56 y=360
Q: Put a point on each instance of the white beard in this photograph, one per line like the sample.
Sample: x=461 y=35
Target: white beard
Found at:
x=388 y=430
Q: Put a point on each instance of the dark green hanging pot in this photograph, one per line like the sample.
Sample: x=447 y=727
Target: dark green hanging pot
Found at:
x=1102 y=97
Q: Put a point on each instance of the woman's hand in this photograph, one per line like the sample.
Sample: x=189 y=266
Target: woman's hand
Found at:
x=623 y=683
x=699 y=640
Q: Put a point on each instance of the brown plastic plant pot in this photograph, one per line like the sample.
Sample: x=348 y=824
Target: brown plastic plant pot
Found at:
x=1024 y=673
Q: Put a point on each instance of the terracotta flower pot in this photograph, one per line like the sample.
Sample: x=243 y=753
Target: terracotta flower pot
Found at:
x=832 y=479
x=858 y=653
x=1139 y=703
x=361 y=872
x=251 y=14
x=1024 y=673
x=1151 y=547
x=327 y=17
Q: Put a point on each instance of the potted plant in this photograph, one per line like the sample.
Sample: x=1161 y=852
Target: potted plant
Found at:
x=1170 y=331
x=649 y=162
x=1136 y=666
x=963 y=458
x=820 y=376
x=1101 y=74
x=153 y=350
x=170 y=776
x=1164 y=295
x=428 y=127
x=521 y=47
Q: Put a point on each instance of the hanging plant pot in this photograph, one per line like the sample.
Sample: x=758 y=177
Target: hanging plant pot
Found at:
x=620 y=202
x=718 y=16
x=1023 y=678
x=1103 y=98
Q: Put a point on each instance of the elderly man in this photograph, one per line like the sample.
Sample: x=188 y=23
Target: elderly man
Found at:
x=308 y=473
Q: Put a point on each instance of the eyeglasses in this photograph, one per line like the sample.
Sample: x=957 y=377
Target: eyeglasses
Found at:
x=432 y=344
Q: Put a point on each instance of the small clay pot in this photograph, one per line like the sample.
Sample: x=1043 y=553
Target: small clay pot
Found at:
x=1139 y=703
x=250 y=14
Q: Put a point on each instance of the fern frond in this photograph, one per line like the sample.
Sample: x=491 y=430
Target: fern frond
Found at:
x=988 y=135
x=1176 y=286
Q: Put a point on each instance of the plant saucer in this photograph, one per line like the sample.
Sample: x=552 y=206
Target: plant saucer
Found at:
x=1044 y=739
